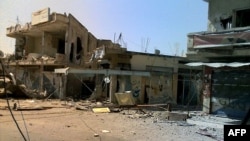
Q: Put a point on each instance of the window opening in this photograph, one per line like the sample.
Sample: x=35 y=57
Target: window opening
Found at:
x=226 y=23
x=71 y=52
x=78 y=48
x=61 y=46
x=242 y=18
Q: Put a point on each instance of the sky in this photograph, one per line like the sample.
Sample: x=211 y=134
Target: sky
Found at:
x=145 y=25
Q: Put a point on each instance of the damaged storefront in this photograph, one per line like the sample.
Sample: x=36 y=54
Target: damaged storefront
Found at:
x=189 y=91
x=49 y=41
x=226 y=89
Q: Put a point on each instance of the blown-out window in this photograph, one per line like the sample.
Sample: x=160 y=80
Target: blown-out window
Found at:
x=242 y=18
x=61 y=46
x=78 y=48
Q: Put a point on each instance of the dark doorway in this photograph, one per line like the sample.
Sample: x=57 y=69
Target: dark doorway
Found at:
x=78 y=48
x=184 y=93
x=180 y=89
x=61 y=46
x=87 y=89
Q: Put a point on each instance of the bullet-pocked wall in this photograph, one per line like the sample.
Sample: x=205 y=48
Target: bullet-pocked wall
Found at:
x=159 y=87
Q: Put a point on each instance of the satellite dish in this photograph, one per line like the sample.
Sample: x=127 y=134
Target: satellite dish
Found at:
x=1 y=54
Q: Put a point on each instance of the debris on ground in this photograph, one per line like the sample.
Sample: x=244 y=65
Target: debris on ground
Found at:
x=140 y=115
x=206 y=132
x=105 y=131
x=81 y=107
x=185 y=124
x=101 y=110
x=27 y=108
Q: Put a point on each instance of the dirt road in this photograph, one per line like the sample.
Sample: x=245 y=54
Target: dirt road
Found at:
x=65 y=123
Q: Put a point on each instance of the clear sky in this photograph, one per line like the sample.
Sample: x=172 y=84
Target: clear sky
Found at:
x=145 y=25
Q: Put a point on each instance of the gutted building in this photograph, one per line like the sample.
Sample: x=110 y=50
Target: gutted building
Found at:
x=224 y=52
x=56 y=56
x=51 y=41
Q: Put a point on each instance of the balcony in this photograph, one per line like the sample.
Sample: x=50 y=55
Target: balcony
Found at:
x=231 y=44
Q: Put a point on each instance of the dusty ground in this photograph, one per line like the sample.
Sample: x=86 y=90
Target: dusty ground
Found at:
x=60 y=121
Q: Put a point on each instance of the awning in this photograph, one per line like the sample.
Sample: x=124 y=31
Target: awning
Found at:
x=101 y=71
x=217 y=65
x=221 y=40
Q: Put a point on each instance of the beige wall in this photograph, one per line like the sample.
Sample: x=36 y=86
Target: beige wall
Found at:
x=75 y=30
x=49 y=48
x=139 y=62
x=92 y=42
x=161 y=86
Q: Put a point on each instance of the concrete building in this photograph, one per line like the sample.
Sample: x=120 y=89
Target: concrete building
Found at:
x=56 y=55
x=224 y=51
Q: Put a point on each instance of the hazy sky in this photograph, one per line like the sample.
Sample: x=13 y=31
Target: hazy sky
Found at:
x=145 y=25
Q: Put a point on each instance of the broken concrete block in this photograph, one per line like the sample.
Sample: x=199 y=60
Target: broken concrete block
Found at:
x=125 y=99
x=96 y=135
x=176 y=116
x=79 y=107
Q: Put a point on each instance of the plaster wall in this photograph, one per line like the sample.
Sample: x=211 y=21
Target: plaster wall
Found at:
x=48 y=47
x=161 y=86
x=76 y=30
x=140 y=62
x=160 y=89
x=29 y=45
x=92 y=42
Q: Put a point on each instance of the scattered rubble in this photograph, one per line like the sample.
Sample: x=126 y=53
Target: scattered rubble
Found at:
x=159 y=118
x=210 y=133
x=25 y=108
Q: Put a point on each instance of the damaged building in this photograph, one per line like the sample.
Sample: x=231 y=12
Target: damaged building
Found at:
x=224 y=52
x=55 y=55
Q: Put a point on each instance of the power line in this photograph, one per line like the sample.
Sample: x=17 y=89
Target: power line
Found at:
x=24 y=122
x=7 y=99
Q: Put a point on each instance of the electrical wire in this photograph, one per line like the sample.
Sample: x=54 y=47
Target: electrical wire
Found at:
x=7 y=100
x=89 y=127
x=25 y=125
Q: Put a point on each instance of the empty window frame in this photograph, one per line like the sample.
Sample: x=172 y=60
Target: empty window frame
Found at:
x=242 y=17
